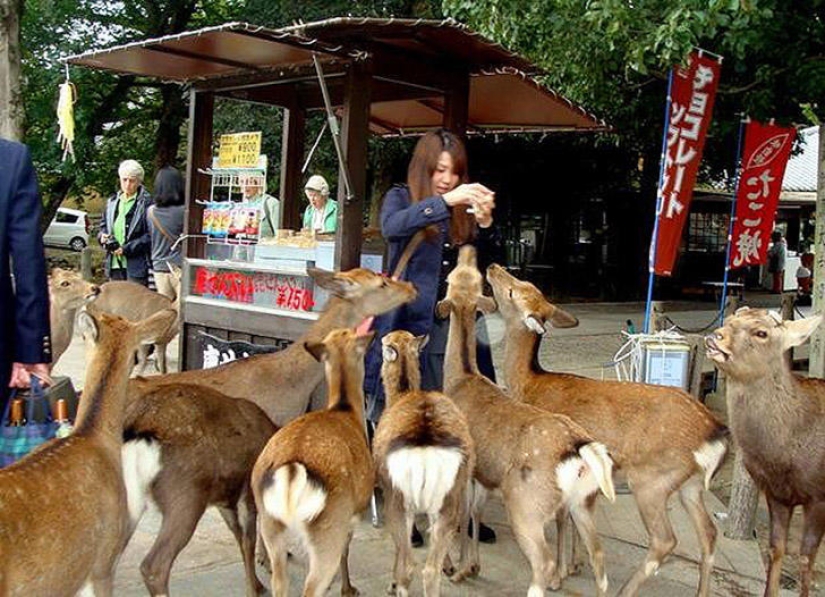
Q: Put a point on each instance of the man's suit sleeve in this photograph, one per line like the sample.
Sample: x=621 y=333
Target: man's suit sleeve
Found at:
x=32 y=338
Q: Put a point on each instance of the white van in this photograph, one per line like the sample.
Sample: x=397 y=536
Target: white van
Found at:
x=69 y=228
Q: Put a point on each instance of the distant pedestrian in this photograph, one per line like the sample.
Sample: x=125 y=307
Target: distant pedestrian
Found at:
x=776 y=261
x=165 y=220
x=24 y=319
x=123 y=230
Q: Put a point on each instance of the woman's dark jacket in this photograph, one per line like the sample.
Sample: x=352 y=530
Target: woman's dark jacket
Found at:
x=137 y=246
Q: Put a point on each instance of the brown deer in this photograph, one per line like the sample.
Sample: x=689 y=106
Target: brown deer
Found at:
x=662 y=438
x=282 y=383
x=315 y=475
x=68 y=291
x=778 y=421
x=63 y=514
x=541 y=462
x=187 y=448
x=424 y=458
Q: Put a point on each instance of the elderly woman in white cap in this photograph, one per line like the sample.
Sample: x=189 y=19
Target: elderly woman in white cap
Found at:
x=123 y=229
x=322 y=212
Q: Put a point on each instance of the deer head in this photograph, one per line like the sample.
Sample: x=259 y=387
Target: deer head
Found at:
x=520 y=302
x=465 y=287
x=371 y=292
x=68 y=290
x=752 y=337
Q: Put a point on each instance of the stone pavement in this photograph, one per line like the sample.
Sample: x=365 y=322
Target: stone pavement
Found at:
x=210 y=565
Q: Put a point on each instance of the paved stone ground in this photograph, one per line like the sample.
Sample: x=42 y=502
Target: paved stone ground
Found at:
x=210 y=565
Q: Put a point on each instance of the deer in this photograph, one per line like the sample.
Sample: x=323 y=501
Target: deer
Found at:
x=63 y=508
x=282 y=383
x=315 y=476
x=424 y=458
x=68 y=291
x=664 y=440
x=778 y=422
x=542 y=463
x=186 y=448
x=135 y=302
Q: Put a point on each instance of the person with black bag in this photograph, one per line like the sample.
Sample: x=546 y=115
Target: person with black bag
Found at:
x=165 y=219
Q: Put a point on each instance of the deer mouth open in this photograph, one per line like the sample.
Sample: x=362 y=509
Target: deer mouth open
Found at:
x=714 y=351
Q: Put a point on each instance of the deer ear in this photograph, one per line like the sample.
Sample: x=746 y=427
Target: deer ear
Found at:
x=389 y=354
x=363 y=342
x=559 y=318
x=443 y=308
x=534 y=325
x=796 y=332
x=486 y=305
x=87 y=326
x=317 y=350
x=339 y=286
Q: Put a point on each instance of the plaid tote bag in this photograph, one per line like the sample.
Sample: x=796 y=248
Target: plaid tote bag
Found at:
x=17 y=441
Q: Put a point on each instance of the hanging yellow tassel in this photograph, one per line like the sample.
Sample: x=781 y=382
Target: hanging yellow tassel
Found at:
x=65 y=118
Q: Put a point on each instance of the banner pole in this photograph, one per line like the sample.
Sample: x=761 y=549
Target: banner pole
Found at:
x=721 y=315
x=659 y=201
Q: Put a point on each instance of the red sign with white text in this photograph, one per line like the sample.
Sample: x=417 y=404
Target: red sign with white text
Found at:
x=692 y=93
x=764 y=157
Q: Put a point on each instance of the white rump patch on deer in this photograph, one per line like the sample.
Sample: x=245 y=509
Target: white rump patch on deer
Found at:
x=296 y=499
x=424 y=476
x=708 y=458
x=581 y=476
x=86 y=590
x=141 y=465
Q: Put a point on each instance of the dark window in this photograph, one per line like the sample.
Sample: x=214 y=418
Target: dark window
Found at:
x=708 y=232
x=65 y=218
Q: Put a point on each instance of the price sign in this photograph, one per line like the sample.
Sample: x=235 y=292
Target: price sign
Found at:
x=240 y=150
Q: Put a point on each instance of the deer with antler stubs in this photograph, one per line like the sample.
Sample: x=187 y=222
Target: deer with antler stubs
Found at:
x=778 y=421
x=662 y=438
x=63 y=513
x=424 y=458
x=541 y=462
x=316 y=474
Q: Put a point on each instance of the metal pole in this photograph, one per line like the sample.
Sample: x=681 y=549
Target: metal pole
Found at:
x=721 y=315
x=659 y=201
x=334 y=129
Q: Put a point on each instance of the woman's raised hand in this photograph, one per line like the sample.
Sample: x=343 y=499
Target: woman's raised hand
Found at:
x=469 y=194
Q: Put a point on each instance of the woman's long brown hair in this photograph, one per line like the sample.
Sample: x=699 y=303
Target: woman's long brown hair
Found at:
x=420 y=174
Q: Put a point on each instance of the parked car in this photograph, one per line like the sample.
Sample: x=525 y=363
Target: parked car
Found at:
x=69 y=228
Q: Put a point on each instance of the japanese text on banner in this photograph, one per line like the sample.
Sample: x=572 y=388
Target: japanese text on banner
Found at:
x=692 y=95
x=764 y=158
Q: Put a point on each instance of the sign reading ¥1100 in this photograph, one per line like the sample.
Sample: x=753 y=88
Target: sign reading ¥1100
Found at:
x=239 y=150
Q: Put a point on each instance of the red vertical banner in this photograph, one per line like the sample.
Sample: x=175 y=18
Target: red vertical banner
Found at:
x=692 y=94
x=764 y=158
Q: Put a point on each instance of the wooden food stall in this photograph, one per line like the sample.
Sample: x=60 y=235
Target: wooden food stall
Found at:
x=379 y=76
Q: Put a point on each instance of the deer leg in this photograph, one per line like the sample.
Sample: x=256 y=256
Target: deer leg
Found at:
x=780 y=516
x=179 y=522
x=561 y=542
x=103 y=587
x=583 y=517
x=814 y=527
x=400 y=525
x=241 y=521
x=326 y=549
x=142 y=358
x=274 y=537
x=160 y=355
x=527 y=522
x=470 y=564
x=690 y=495
x=347 y=590
x=652 y=504
x=442 y=532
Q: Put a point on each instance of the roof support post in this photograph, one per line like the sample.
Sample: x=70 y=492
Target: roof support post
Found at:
x=199 y=155
x=457 y=106
x=354 y=136
x=292 y=154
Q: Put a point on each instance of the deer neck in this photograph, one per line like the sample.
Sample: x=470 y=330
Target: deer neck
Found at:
x=61 y=320
x=104 y=392
x=460 y=357
x=400 y=377
x=339 y=313
x=346 y=389
x=521 y=356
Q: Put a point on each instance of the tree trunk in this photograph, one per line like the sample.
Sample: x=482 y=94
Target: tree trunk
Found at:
x=11 y=108
x=744 y=498
x=816 y=362
x=173 y=112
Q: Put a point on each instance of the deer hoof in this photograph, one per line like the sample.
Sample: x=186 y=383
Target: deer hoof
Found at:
x=470 y=571
x=555 y=582
x=349 y=591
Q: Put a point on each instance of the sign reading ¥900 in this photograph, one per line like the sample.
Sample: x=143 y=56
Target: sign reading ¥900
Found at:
x=240 y=150
x=255 y=288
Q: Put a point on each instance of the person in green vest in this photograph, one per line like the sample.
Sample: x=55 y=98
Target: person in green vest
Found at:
x=322 y=212
x=124 y=232
x=253 y=190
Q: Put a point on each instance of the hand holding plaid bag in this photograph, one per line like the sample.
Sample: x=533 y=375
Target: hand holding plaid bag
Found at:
x=18 y=440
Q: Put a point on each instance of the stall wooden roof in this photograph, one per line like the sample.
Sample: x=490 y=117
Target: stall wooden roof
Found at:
x=254 y=63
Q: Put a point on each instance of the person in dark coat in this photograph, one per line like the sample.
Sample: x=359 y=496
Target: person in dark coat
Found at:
x=124 y=232
x=24 y=301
